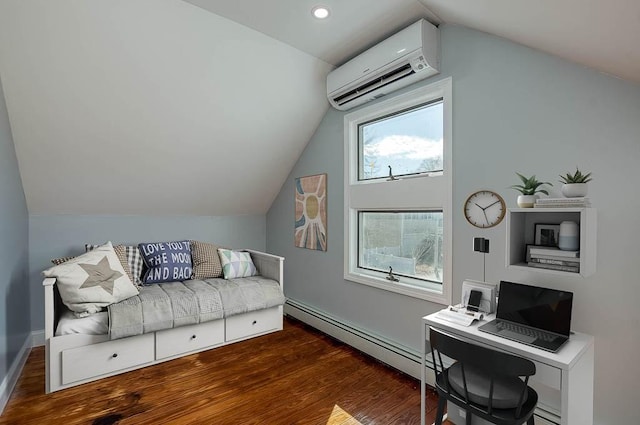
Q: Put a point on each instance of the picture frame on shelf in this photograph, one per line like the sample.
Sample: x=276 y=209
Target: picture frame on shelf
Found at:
x=546 y=234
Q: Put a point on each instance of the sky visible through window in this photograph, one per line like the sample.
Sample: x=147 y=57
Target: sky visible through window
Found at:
x=410 y=142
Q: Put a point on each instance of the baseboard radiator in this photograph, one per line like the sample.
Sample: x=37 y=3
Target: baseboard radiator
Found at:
x=395 y=355
x=389 y=352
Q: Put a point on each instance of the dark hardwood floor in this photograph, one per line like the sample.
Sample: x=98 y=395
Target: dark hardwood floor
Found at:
x=297 y=376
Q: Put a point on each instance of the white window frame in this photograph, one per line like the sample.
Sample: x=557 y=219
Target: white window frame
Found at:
x=398 y=195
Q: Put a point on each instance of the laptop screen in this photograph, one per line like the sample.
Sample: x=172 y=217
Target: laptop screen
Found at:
x=541 y=308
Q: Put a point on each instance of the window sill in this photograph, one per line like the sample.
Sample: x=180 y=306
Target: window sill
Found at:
x=433 y=294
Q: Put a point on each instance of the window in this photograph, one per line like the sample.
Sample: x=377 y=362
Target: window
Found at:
x=410 y=142
x=408 y=242
x=398 y=194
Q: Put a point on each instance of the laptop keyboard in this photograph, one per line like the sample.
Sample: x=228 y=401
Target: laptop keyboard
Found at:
x=522 y=330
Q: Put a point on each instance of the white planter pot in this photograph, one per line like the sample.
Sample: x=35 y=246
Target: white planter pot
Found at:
x=526 y=201
x=574 y=190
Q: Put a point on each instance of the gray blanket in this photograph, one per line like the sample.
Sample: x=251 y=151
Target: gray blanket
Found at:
x=174 y=304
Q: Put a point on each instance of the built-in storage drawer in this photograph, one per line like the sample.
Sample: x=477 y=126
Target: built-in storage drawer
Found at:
x=172 y=342
x=548 y=384
x=107 y=357
x=547 y=375
x=252 y=323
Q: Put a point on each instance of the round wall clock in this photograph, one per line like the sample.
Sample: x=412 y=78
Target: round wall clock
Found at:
x=484 y=209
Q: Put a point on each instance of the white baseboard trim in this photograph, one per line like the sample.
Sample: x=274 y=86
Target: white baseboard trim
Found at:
x=395 y=355
x=9 y=381
x=37 y=338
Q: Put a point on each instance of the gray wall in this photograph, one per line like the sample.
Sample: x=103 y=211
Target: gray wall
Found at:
x=514 y=109
x=53 y=236
x=14 y=244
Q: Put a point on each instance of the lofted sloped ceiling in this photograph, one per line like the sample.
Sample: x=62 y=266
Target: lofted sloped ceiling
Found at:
x=351 y=28
x=602 y=35
x=202 y=107
x=152 y=107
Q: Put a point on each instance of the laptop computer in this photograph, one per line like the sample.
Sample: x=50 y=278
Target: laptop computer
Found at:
x=531 y=315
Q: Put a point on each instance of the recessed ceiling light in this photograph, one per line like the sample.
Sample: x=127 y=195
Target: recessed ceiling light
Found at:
x=320 y=12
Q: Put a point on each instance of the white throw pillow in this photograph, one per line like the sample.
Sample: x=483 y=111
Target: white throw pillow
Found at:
x=236 y=264
x=91 y=281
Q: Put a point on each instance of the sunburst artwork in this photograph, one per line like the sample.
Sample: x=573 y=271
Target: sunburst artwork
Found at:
x=311 y=212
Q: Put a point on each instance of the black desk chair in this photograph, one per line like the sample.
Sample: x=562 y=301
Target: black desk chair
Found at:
x=486 y=383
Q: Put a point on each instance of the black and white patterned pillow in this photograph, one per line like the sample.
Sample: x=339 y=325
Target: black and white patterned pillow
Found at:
x=206 y=261
x=134 y=261
x=61 y=260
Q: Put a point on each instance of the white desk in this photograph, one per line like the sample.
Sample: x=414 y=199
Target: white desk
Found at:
x=563 y=380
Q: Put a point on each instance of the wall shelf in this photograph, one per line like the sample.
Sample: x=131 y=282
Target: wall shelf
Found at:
x=520 y=233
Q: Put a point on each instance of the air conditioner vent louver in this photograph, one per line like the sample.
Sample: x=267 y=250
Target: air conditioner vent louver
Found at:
x=378 y=83
x=402 y=59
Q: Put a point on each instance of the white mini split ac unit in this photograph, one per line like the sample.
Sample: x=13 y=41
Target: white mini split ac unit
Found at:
x=402 y=59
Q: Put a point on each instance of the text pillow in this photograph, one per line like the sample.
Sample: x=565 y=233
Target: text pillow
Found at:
x=91 y=281
x=166 y=261
x=236 y=264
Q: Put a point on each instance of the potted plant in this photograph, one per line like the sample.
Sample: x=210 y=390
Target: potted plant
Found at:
x=575 y=184
x=529 y=189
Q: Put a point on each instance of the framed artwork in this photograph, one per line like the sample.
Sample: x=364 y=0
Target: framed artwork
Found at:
x=311 y=212
x=546 y=234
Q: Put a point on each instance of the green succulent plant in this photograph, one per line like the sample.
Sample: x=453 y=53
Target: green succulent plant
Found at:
x=530 y=185
x=577 y=177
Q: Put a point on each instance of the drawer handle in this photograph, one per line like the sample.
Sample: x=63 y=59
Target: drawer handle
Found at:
x=193 y=337
x=254 y=322
x=114 y=355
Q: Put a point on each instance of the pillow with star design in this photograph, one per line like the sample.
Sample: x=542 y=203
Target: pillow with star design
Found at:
x=91 y=281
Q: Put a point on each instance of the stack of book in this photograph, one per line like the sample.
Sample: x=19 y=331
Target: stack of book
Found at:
x=545 y=257
x=580 y=202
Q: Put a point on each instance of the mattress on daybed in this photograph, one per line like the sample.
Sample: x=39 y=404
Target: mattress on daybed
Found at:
x=223 y=298
x=94 y=324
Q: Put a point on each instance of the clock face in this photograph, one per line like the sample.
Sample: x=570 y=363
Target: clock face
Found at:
x=484 y=209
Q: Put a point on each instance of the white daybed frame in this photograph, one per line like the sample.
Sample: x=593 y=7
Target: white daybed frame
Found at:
x=76 y=359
